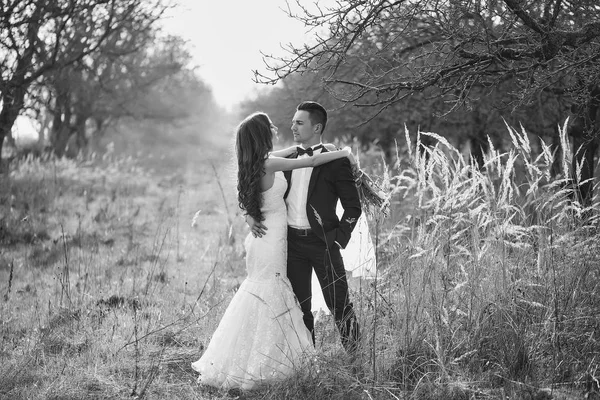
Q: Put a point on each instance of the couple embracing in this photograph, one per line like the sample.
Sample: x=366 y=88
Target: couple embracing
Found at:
x=289 y=197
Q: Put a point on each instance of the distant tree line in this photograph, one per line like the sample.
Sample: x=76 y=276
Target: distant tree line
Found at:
x=457 y=68
x=78 y=66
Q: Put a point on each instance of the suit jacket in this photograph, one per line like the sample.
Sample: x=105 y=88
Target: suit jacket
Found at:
x=328 y=183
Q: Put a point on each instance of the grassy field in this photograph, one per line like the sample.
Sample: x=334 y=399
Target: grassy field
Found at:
x=113 y=278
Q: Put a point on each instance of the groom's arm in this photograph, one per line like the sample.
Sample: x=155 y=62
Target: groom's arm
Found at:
x=350 y=200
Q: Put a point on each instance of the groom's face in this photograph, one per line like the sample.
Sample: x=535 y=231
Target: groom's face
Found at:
x=303 y=130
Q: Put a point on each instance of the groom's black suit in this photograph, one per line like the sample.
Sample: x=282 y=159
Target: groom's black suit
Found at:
x=319 y=248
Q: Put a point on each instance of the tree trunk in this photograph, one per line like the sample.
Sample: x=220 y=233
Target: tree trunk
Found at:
x=12 y=103
x=98 y=133
x=62 y=139
x=61 y=130
x=584 y=131
x=478 y=139
x=78 y=143
x=556 y=167
x=44 y=135
x=13 y=96
x=82 y=140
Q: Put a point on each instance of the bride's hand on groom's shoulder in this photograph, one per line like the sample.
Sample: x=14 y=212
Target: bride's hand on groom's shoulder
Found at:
x=351 y=158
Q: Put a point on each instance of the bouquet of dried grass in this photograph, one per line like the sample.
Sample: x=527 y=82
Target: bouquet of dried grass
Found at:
x=373 y=198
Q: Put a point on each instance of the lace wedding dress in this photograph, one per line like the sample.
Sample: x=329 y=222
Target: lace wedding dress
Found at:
x=261 y=337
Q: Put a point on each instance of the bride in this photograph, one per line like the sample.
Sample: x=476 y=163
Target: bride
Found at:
x=262 y=336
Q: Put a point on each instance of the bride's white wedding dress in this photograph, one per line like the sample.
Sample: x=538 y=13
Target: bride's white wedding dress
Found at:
x=261 y=337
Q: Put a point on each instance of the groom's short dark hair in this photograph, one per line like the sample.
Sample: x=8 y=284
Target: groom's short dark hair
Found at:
x=316 y=112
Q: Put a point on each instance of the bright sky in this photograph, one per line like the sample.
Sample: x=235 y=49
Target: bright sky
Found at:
x=227 y=37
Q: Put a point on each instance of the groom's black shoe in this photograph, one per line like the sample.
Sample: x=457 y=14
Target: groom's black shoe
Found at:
x=350 y=332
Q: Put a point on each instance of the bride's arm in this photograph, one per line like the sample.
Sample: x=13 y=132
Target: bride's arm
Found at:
x=273 y=164
x=284 y=152
x=258 y=229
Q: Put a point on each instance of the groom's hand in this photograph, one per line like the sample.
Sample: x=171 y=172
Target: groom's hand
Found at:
x=256 y=228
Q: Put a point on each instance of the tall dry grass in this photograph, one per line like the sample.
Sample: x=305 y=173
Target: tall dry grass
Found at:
x=488 y=276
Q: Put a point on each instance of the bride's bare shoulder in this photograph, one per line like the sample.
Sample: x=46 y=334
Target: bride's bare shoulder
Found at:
x=330 y=147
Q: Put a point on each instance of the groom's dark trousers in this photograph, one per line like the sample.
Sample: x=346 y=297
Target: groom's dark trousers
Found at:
x=306 y=250
x=319 y=246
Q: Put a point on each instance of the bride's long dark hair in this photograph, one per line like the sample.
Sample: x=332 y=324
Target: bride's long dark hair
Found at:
x=253 y=143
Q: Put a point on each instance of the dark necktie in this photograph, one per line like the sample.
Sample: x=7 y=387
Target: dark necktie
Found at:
x=308 y=151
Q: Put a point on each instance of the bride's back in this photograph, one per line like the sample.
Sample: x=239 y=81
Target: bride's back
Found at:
x=266 y=256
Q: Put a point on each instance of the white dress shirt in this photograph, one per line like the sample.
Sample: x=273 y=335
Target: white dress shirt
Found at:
x=298 y=194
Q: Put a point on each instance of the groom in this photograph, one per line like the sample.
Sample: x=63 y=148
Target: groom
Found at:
x=315 y=234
